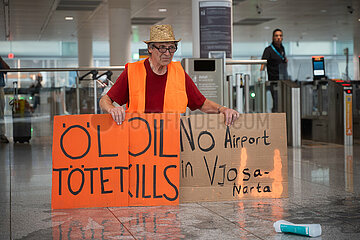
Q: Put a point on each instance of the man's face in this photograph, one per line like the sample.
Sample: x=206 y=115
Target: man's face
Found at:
x=162 y=53
x=278 y=37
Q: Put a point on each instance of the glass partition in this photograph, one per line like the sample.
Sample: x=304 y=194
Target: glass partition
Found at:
x=255 y=88
x=35 y=95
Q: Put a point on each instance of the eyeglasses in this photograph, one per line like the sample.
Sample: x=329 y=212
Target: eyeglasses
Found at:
x=163 y=49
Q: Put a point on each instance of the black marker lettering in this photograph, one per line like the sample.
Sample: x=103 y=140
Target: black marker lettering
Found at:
x=154 y=184
x=245 y=172
x=144 y=183
x=171 y=184
x=82 y=181
x=265 y=137
x=237 y=189
x=91 y=170
x=121 y=177
x=62 y=140
x=243 y=139
x=223 y=178
x=258 y=188
x=228 y=173
x=228 y=137
x=149 y=135
x=257 y=172
x=189 y=135
x=267 y=189
x=213 y=173
x=99 y=145
x=102 y=180
x=60 y=170
x=155 y=135
x=212 y=140
x=188 y=164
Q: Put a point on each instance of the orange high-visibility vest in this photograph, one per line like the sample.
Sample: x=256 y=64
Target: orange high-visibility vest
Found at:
x=175 y=99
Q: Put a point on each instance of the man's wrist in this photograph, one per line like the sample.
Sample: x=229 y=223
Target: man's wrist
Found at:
x=109 y=109
x=219 y=108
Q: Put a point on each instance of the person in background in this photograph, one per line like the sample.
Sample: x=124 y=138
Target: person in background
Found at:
x=276 y=63
x=3 y=65
x=35 y=90
x=158 y=85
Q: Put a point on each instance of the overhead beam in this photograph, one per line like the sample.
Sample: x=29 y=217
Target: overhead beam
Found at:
x=48 y=17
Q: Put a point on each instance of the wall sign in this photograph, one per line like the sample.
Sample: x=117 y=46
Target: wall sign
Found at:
x=215 y=27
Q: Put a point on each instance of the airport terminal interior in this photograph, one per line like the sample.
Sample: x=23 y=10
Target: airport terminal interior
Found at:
x=64 y=55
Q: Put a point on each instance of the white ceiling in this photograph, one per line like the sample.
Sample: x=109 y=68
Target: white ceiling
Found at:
x=301 y=20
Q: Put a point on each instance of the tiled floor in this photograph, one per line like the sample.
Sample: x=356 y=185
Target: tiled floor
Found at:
x=324 y=187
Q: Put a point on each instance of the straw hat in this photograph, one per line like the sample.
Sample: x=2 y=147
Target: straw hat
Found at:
x=161 y=33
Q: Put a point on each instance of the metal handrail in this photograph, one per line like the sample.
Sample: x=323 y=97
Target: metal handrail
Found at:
x=247 y=62
x=114 y=68
x=119 y=68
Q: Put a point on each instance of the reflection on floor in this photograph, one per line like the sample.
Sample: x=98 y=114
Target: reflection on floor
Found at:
x=324 y=187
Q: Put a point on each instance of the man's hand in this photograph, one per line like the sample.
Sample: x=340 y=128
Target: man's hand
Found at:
x=118 y=114
x=230 y=115
x=211 y=107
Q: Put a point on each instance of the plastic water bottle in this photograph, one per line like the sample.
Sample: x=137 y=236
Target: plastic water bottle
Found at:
x=310 y=230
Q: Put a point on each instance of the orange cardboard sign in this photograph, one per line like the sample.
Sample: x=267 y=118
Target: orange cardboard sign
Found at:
x=97 y=163
x=245 y=160
x=154 y=159
x=90 y=162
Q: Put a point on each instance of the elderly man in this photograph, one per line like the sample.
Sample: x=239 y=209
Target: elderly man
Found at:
x=158 y=85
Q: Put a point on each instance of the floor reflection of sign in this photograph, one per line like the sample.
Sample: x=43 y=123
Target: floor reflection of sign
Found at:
x=348 y=103
x=215 y=28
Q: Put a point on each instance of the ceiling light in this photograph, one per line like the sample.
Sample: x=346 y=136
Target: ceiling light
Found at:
x=266 y=27
x=162 y=9
x=323 y=10
x=359 y=19
x=69 y=18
